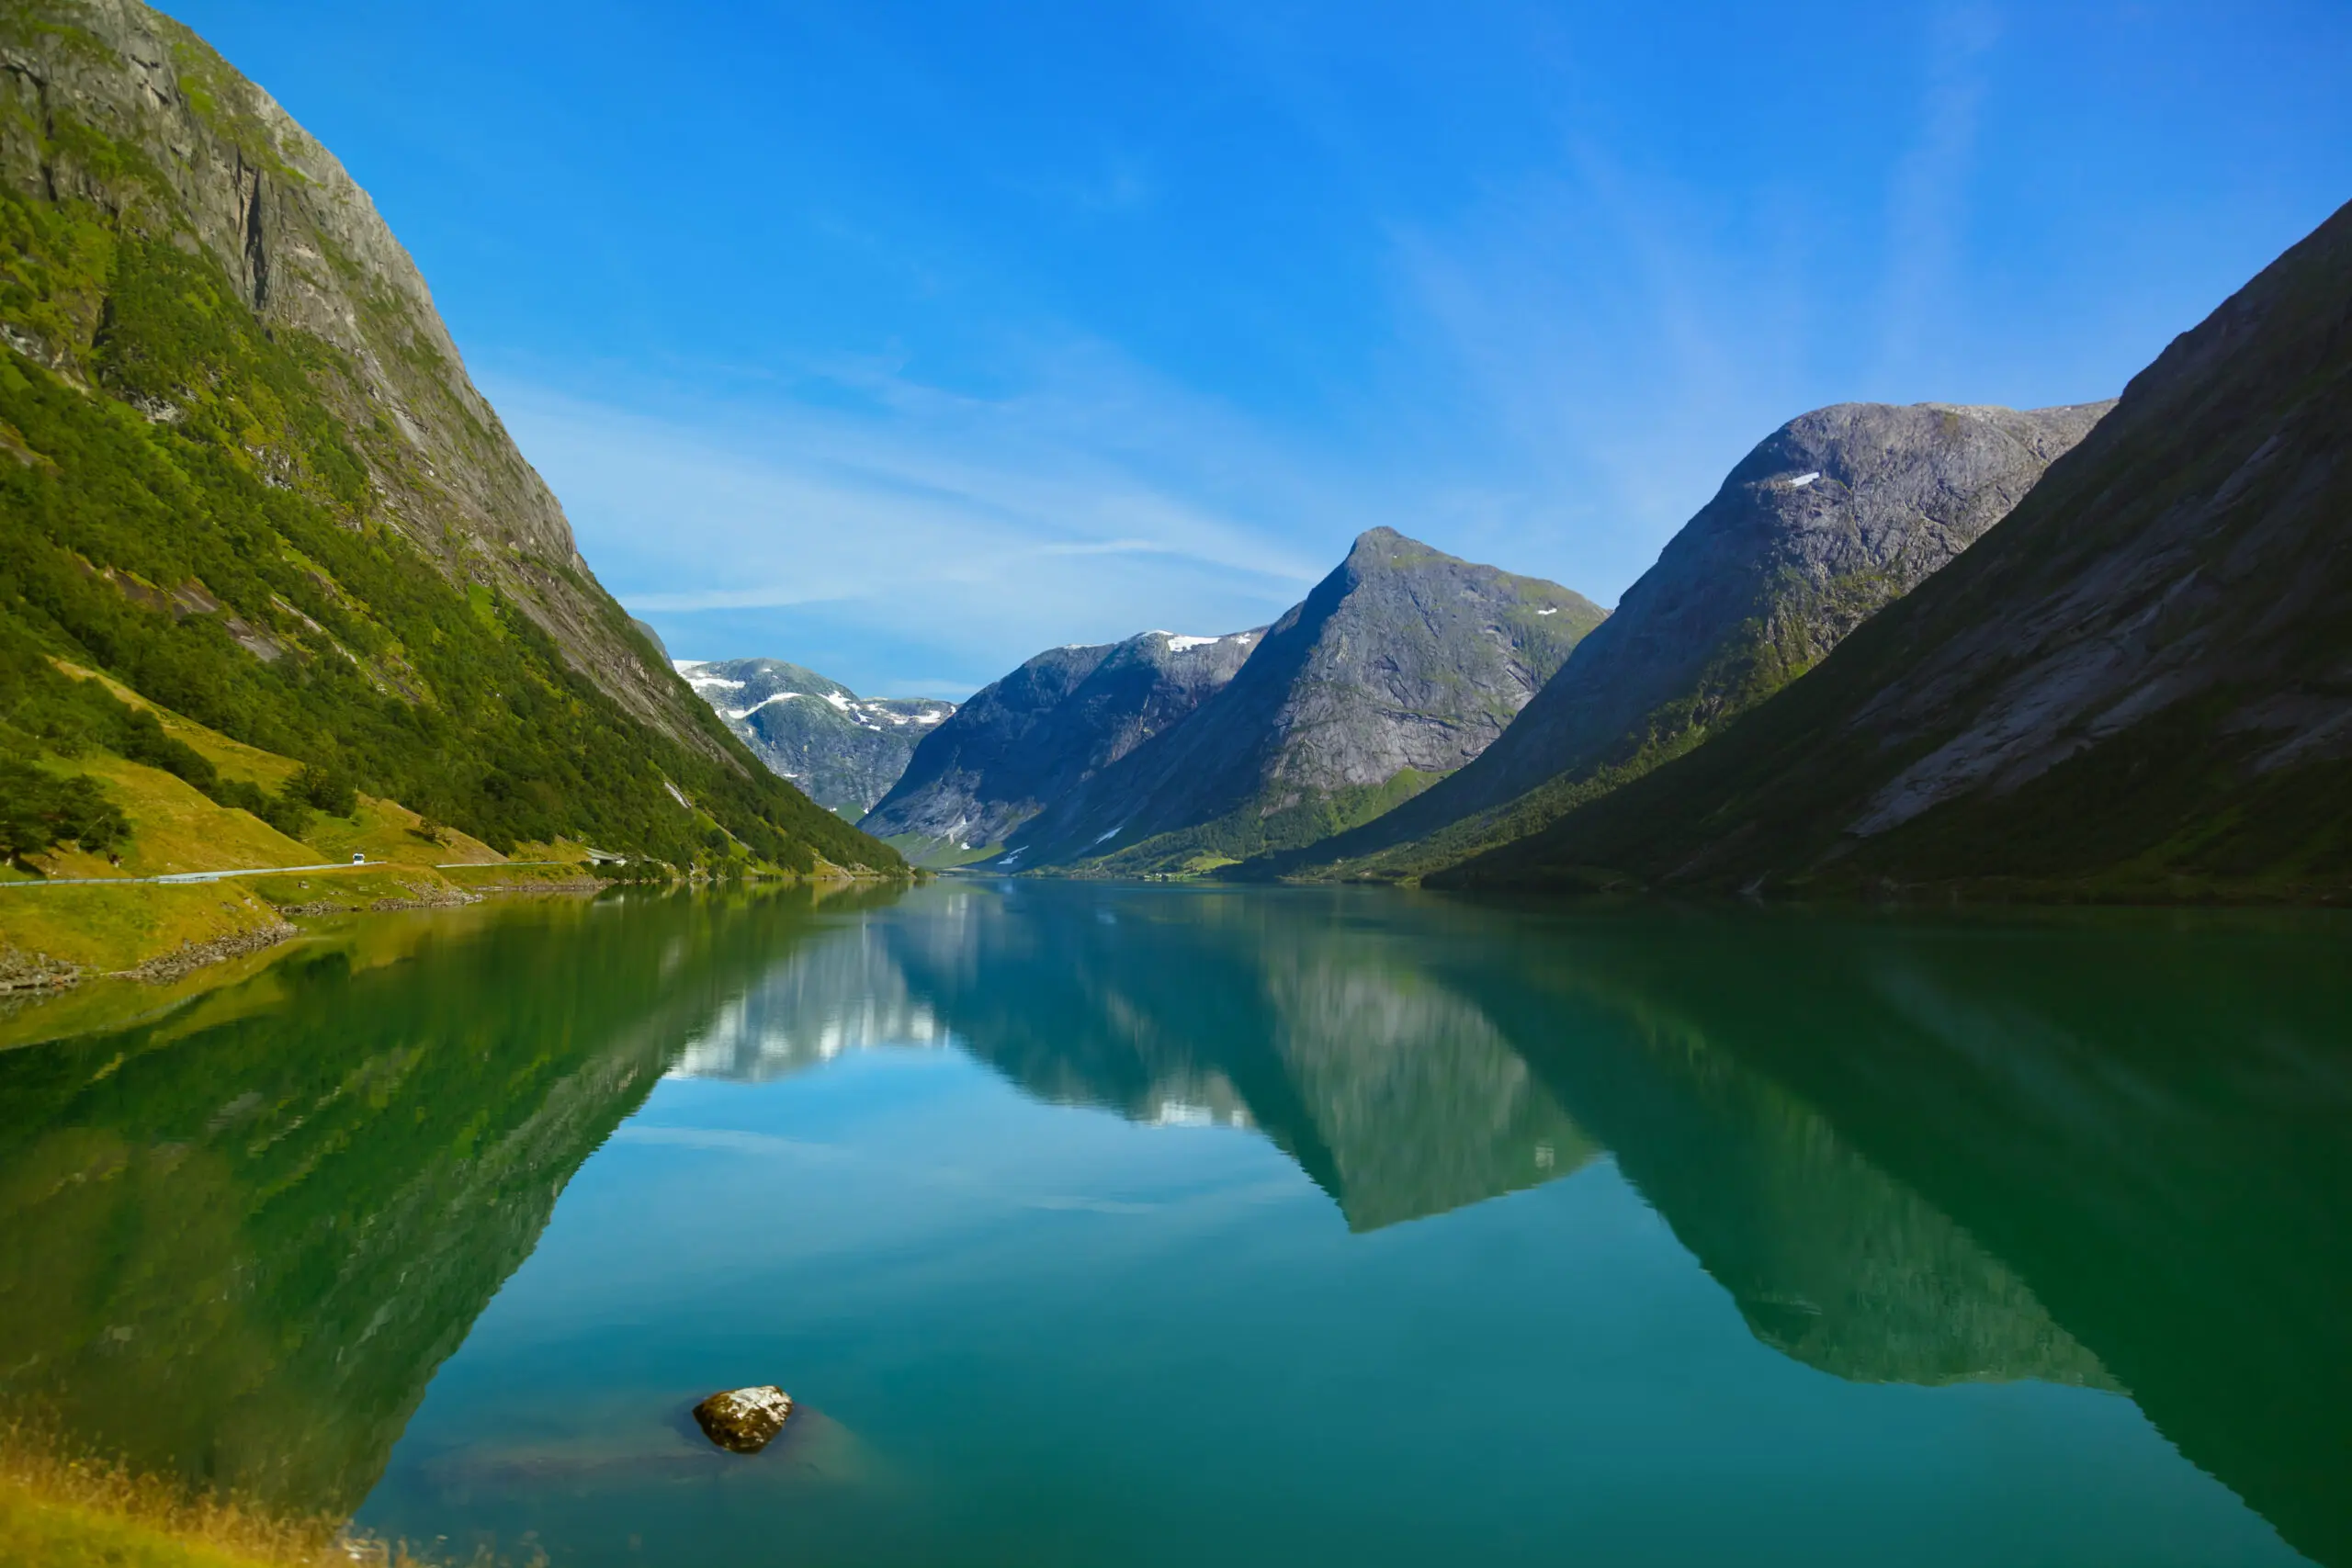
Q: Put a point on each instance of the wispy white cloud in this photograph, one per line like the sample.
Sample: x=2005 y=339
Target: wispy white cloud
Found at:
x=1084 y=509
x=1578 y=343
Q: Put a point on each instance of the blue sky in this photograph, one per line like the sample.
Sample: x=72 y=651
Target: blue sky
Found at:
x=905 y=340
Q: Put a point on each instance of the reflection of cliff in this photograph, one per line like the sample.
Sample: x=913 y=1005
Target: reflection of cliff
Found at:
x=2103 y=1151
x=2145 y=1120
x=240 y=1243
x=839 y=991
x=1372 y=1054
x=1389 y=1089
x=1829 y=1260
x=1423 y=1105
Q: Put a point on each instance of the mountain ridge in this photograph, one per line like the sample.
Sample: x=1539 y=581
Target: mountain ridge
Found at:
x=2138 y=685
x=1836 y=514
x=1024 y=741
x=1400 y=666
x=843 y=750
x=248 y=476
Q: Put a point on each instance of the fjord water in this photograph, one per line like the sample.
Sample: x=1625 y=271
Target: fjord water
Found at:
x=1096 y=1225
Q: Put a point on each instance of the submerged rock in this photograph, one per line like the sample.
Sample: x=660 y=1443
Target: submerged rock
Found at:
x=744 y=1420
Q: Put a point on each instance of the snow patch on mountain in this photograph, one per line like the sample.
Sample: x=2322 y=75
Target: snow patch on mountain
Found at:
x=844 y=750
x=737 y=714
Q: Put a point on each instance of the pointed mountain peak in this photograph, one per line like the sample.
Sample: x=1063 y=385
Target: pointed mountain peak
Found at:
x=1386 y=545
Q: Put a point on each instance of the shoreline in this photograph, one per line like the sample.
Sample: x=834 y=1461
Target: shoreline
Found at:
x=161 y=934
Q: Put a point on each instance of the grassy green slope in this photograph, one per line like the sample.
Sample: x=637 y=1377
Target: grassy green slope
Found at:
x=196 y=515
x=2199 y=543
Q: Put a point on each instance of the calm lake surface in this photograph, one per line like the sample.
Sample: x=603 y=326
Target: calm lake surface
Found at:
x=1105 y=1225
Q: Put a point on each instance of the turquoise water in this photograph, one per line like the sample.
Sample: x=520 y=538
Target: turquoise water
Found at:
x=1140 y=1226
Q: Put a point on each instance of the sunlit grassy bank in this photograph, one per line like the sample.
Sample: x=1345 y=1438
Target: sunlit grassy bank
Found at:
x=63 y=1512
x=58 y=1512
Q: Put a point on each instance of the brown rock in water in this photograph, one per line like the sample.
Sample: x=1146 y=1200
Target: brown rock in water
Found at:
x=744 y=1420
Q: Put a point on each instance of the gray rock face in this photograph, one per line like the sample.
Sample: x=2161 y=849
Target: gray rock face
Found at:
x=2140 y=677
x=1403 y=665
x=306 y=246
x=1043 y=729
x=1833 y=516
x=844 y=750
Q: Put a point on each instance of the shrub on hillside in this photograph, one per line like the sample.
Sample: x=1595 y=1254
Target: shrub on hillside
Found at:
x=39 y=811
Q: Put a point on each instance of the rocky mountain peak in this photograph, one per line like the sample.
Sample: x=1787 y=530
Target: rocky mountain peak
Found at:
x=1400 y=666
x=2134 y=684
x=1383 y=546
x=1825 y=521
x=844 y=750
x=1029 y=738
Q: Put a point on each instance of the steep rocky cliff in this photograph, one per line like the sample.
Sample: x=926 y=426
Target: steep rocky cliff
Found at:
x=2139 y=685
x=1043 y=730
x=1832 y=517
x=251 y=478
x=844 y=751
x=1402 y=666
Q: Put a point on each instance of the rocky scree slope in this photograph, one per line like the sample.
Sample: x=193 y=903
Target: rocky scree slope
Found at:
x=1031 y=737
x=844 y=751
x=1400 y=666
x=2138 y=685
x=1828 y=520
x=246 y=473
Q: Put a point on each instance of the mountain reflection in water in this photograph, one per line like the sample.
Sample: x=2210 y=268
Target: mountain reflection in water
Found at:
x=235 y=1242
x=1895 y=1141
x=2107 y=1151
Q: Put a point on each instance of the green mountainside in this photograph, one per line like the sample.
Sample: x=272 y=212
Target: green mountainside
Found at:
x=242 y=471
x=2137 y=685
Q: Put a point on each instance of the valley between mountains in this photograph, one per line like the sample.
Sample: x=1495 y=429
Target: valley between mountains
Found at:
x=277 y=589
x=2096 y=652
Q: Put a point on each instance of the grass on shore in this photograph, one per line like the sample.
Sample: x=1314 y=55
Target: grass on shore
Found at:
x=353 y=888
x=509 y=877
x=111 y=930
x=62 y=1512
x=47 y=931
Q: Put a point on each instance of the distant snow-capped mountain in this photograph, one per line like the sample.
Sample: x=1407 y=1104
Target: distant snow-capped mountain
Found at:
x=844 y=750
